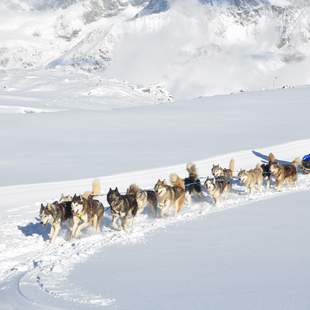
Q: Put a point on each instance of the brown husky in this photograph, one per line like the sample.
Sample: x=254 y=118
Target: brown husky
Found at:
x=170 y=195
x=86 y=212
x=252 y=178
x=284 y=174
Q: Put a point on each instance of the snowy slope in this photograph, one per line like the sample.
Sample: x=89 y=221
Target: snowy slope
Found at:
x=41 y=268
x=89 y=140
x=82 y=139
x=252 y=257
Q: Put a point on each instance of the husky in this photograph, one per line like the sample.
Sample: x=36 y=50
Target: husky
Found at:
x=123 y=207
x=144 y=198
x=217 y=187
x=219 y=172
x=192 y=183
x=252 y=178
x=266 y=170
x=86 y=212
x=55 y=214
x=284 y=174
x=170 y=195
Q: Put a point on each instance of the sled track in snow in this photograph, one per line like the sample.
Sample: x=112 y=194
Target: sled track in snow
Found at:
x=36 y=262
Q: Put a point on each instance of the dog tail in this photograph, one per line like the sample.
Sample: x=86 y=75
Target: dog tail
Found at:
x=232 y=165
x=176 y=181
x=259 y=167
x=192 y=170
x=296 y=162
x=271 y=158
x=96 y=187
x=133 y=189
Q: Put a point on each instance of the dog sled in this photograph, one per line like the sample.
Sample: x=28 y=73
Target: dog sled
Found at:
x=305 y=164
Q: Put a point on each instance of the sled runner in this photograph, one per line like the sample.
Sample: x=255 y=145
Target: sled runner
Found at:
x=306 y=164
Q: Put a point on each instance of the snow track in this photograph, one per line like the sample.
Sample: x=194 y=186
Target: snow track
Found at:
x=27 y=260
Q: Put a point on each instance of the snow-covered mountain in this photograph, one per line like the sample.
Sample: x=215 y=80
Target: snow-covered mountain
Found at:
x=194 y=47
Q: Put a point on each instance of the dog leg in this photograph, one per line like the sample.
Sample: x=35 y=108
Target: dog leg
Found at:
x=277 y=185
x=55 y=233
x=160 y=211
x=74 y=227
x=50 y=235
x=162 y=208
x=250 y=189
x=125 y=223
x=80 y=228
x=154 y=210
x=95 y=222
x=189 y=199
x=176 y=209
x=268 y=184
x=98 y=229
x=260 y=185
x=215 y=200
x=131 y=222
x=114 y=222
x=179 y=204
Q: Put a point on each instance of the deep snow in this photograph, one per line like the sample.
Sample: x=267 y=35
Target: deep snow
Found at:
x=254 y=257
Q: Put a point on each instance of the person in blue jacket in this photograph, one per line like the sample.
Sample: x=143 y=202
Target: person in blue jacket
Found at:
x=306 y=163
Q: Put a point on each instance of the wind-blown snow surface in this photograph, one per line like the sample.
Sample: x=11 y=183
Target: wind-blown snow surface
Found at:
x=37 y=275
x=189 y=47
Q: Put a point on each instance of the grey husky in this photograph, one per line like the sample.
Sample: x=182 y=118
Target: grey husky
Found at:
x=123 y=207
x=217 y=187
x=144 y=198
x=55 y=214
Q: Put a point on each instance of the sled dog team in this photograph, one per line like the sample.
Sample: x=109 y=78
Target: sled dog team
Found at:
x=84 y=210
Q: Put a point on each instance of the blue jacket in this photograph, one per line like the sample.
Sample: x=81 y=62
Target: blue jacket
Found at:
x=306 y=157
